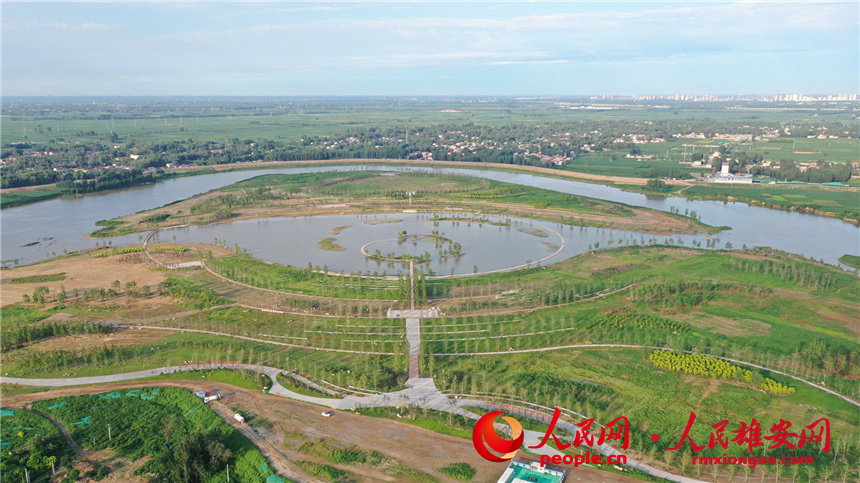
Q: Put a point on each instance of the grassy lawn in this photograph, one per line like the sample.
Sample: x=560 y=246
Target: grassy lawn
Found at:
x=241 y=379
x=850 y=260
x=843 y=202
x=654 y=400
x=436 y=421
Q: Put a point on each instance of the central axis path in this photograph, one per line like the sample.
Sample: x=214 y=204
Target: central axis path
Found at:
x=413 y=334
x=413 y=338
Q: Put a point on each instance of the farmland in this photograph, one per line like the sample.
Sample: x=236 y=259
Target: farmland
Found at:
x=833 y=201
x=651 y=323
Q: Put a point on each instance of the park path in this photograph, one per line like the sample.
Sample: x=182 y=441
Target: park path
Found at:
x=79 y=451
x=413 y=338
x=252 y=339
x=632 y=346
x=420 y=392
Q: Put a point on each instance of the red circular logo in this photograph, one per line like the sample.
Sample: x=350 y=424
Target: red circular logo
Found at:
x=485 y=438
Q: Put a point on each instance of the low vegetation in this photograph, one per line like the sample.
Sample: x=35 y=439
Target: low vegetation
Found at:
x=459 y=471
x=183 y=438
x=31 y=443
x=850 y=260
x=49 y=277
x=330 y=245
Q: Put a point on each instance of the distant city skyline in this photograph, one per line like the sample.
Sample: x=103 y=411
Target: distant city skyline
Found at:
x=426 y=49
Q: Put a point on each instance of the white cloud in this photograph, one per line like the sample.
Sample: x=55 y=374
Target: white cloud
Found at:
x=61 y=26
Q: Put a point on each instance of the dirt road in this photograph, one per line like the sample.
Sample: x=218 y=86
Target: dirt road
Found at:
x=416 y=447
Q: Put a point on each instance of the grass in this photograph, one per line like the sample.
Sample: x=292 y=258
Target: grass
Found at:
x=459 y=471
x=654 y=400
x=289 y=122
x=49 y=277
x=369 y=334
x=436 y=421
x=270 y=276
x=383 y=373
x=11 y=200
x=336 y=230
x=29 y=441
x=325 y=472
x=152 y=422
x=383 y=191
x=7 y=390
x=113 y=228
x=234 y=378
x=850 y=260
x=339 y=453
x=300 y=388
x=841 y=202
x=330 y=245
x=19 y=314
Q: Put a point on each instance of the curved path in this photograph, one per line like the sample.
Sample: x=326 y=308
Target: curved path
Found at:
x=252 y=339
x=76 y=448
x=630 y=346
x=420 y=392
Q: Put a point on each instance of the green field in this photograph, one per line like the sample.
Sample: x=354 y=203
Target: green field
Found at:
x=655 y=401
x=30 y=441
x=850 y=260
x=804 y=150
x=758 y=305
x=289 y=119
x=9 y=200
x=179 y=433
x=842 y=202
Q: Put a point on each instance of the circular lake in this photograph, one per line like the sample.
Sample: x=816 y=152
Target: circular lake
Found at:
x=487 y=243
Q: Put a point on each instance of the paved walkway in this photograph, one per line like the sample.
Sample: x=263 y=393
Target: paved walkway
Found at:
x=420 y=392
x=253 y=339
x=413 y=337
x=632 y=346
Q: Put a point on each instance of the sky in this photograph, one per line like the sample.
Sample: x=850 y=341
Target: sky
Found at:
x=420 y=48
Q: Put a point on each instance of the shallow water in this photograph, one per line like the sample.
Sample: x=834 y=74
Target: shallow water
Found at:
x=34 y=232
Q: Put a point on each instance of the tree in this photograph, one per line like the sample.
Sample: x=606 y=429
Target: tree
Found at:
x=196 y=457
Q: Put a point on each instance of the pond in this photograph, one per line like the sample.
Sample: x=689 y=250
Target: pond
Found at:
x=34 y=232
x=335 y=242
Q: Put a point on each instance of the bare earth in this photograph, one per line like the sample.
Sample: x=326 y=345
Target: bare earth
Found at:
x=461 y=164
x=416 y=447
x=82 y=272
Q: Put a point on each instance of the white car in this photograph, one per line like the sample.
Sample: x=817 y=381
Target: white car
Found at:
x=327 y=414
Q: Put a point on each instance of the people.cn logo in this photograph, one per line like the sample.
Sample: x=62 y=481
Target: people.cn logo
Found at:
x=485 y=438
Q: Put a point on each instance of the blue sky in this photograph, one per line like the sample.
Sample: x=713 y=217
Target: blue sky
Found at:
x=382 y=48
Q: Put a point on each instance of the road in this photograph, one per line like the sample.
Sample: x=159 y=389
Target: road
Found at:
x=252 y=339
x=420 y=392
x=631 y=346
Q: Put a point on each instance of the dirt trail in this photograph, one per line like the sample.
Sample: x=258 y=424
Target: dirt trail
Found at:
x=79 y=451
x=419 y=448
x=414 y=446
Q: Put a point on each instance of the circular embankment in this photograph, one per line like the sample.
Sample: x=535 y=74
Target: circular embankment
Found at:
x=405 y=259
x=518 y=243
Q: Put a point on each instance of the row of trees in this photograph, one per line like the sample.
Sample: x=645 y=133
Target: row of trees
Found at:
x=196 y=296
x=509 y=144
x=804 y=274
x=676 y=294
x=19 y=335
